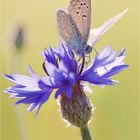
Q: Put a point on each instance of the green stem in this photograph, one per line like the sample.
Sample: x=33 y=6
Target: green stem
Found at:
x=85 y=133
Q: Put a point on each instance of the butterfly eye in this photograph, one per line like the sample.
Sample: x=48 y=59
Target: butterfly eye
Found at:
x=88 y=49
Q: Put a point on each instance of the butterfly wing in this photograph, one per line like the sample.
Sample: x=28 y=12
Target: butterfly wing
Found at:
x=80 y=11
x=97 y=34
x=66 y=27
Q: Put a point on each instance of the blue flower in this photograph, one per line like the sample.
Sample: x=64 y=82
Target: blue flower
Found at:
x=64 y=72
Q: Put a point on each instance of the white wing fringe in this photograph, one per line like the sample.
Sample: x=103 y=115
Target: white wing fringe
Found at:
x=97 y=34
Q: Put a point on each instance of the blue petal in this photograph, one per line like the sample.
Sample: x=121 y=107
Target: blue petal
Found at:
x=49 y=56
x=42 y=85
x=30 y=100
x=19 y=86
x=9 y=77
x=122 y=52
x=95 y=74
x=67 y=57
x=31 y=90
x=37 y=100
x=28 y=94
x=69 y=91
x=32 y=107
x=42 y=100
x=95 y=79
x=58 y=92
x=102 y=81
x=116 y=70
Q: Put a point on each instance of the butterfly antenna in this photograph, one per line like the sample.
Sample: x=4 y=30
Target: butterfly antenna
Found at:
x=95 y=50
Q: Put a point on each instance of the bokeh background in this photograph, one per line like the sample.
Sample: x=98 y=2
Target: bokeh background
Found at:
x=116 y=114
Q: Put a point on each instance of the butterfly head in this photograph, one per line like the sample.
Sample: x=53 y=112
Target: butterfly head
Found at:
x=83 y=49
x=88 y=49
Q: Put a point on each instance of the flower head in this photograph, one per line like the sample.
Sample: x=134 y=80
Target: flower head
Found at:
x=64 y=75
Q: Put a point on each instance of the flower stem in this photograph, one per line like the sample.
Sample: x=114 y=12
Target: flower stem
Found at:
x=85 y=133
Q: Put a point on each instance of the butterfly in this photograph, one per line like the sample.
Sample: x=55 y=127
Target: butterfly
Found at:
x=74 y=26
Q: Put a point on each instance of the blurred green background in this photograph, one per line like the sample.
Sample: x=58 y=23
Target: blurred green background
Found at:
x=116 y=114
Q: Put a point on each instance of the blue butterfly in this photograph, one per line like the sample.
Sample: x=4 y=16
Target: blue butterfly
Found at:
x=74 y=26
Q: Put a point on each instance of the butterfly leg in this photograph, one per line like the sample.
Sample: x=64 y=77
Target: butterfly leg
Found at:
x=83 y=63
x=88 y=60
x=43 y=65
x=79 y=59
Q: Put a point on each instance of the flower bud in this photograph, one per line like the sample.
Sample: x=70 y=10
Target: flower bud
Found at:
x=77 y=110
